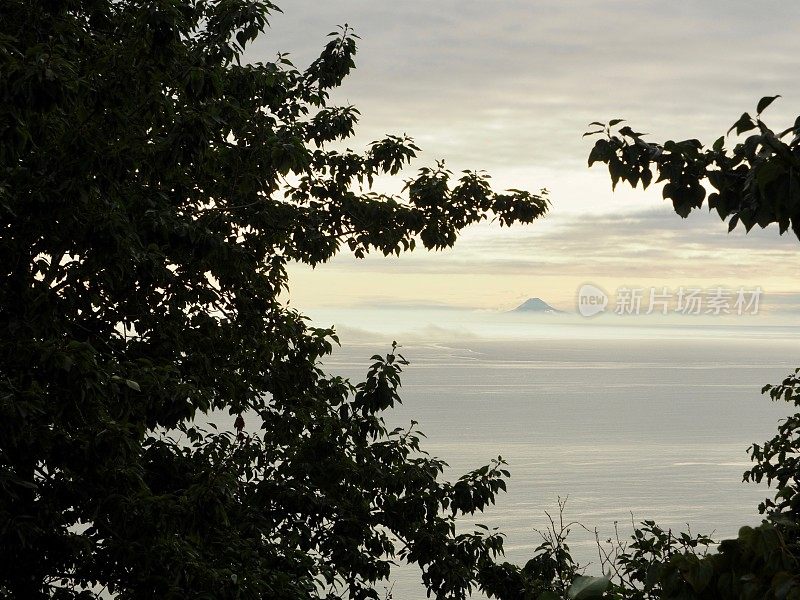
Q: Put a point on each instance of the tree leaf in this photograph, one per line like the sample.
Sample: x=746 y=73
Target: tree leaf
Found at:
x=745 y=123
x=765 y=102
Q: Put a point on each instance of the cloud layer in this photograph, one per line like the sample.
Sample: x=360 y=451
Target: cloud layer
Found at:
x=516 y=82
x=510 y=86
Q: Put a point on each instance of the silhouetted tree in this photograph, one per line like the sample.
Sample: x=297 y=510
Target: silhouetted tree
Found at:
x=152 y=191
x=756 y=182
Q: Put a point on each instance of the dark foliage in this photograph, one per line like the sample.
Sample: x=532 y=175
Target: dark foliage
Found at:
x=152 y=191
x=757 y=182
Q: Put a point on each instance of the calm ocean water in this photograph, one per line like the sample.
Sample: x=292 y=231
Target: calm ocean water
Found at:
x=652 y=422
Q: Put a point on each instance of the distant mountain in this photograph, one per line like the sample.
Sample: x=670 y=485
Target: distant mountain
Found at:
x=536 y=305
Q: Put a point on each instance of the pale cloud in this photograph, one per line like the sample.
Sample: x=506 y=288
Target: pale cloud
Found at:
x=493 y=270
x=611 y=245
x=510 y=86
x=516 y=82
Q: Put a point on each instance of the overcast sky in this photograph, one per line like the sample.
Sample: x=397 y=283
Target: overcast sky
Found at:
x=509 y=86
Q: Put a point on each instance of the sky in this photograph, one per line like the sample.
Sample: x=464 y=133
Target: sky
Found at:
x=510 y=86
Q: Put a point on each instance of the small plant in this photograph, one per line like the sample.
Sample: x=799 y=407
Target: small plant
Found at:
x=654 y=563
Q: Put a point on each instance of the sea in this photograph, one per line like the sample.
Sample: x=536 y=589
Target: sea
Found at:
x=623 y=420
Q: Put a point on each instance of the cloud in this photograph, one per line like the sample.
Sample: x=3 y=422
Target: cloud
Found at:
x=516 y=82
x=644 y=243
x=510 y=85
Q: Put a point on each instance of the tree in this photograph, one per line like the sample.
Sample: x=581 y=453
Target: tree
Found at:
x=656 y=564
x=756 y=182
x=152 y=191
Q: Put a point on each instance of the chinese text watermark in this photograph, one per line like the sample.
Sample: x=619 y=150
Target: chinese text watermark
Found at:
x=660 y=300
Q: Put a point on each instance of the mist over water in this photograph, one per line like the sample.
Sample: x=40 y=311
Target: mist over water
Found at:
x=646 y=417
